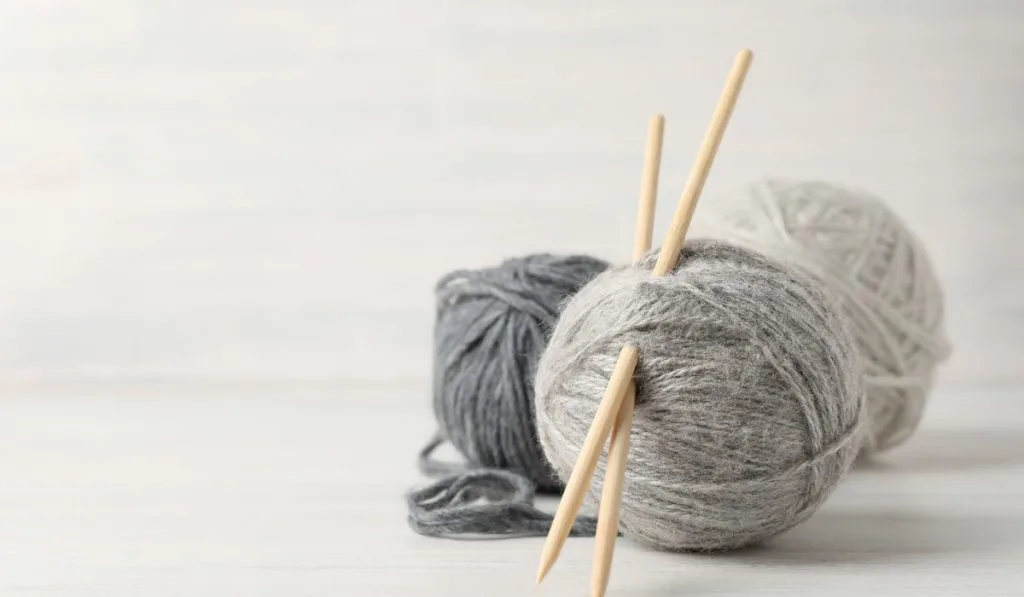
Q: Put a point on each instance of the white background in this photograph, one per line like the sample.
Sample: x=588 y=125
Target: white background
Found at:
x=270 y=189
x=220 y=224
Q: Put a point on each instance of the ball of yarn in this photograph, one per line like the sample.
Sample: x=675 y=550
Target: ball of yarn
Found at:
x=491 y=326
x=876 y=268
x=748 y=407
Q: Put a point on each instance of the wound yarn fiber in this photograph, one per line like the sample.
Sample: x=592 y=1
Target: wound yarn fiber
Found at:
x=490 y=329
x=749 y=401
x=876 y=268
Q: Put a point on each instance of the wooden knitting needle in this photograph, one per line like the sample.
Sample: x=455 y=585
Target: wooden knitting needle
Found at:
x=615 y=473
x=649 y=187
x=618 y=384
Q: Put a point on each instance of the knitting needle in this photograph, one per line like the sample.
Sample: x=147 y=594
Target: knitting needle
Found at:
x=615 y=473
x=611 y=402
x=649 y=187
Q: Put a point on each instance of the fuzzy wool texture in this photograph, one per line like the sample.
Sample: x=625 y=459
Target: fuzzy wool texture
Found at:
x=484 y=503
x=749 y=403
x=875 y=267
x=491 y=327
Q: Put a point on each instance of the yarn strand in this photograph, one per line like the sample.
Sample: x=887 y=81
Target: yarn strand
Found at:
x=483 y=504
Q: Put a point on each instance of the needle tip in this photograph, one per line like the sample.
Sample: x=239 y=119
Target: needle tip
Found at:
x=542 y=572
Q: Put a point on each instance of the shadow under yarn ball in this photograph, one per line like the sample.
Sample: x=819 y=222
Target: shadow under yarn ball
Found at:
x=873 y=265
x=749 y=401
x=491 y=326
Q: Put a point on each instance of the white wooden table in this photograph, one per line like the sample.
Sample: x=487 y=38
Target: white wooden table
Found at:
x=296 y=489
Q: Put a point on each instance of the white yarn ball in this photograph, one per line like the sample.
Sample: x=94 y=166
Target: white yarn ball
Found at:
x=873 y=265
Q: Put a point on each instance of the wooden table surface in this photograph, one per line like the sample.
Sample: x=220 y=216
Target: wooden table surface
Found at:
x=221 y=223
x=296 y=489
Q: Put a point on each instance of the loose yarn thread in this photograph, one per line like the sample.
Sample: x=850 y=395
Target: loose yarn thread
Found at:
x=483 y=503
x=875 y=267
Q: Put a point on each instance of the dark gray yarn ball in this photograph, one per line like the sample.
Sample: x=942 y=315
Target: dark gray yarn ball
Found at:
x=749 y=405
x=491 y=326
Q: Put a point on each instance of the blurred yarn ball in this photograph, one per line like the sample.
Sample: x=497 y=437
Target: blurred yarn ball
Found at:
x=491 y=326
x=749 y=406
x=875 y=267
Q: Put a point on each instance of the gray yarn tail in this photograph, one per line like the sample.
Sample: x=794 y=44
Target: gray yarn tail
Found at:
x=479 y=503
x=485 y=503
x=433 y=467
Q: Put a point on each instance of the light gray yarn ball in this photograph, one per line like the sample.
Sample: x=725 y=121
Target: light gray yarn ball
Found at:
x=749 y=404
x=876 y=268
